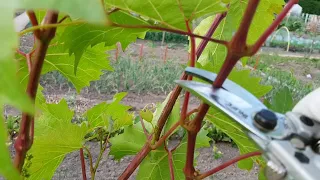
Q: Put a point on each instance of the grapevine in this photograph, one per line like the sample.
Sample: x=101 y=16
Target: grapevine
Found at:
x=72 y=36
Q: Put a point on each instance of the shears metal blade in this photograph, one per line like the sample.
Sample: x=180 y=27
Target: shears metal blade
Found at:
x=233 y=100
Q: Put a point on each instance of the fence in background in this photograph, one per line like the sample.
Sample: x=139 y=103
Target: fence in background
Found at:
x=312 y=22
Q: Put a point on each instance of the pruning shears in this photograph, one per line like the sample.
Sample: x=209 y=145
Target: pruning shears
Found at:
x=290 y=142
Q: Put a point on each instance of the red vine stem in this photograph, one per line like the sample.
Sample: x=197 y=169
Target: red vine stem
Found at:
x=25 y=138
x=189 y=170
x=135 y=162
x=161 y=122
x=170 y=161
x=29 y=63
x=230 y=61
x=28 y=58
x=192 y=135
x=168 y=108
x=222 y=42
x=83 y=165
x=210 y=32
x=34 y=22
x=192 y=64
x=184 y=108
x=64 y=18
x=174 y=127
x=164 y=137
x=21 y=53
x=228 y=163
x=237 y=47
x=240 y=38
x=113 y=11
x=90 y=159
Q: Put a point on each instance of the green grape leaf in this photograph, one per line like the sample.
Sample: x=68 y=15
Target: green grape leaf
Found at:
x=146 y=115
x=6 y=167
x=264 y=16
x=8 y=35
x=55 y=137
x=97 y=116
x=90 y=69
x=282 y=102
x=41 y=13
x=92 y=10
x=102 y=114
x=159 y=109
x=156 y=166
x=261 y=175
x=123 y=121
x=235 y=132
x=11 y=92
x=180 y=11
x=78 y=38
x=128 y=143
x=173 y=117
x=119 y=112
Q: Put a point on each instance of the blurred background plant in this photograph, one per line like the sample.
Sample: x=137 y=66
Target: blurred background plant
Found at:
x=12 y=123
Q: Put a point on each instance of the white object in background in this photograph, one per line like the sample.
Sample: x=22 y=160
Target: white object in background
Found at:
x=309 y=76
x=296 y=10
x=21 y=21
x=310 y=105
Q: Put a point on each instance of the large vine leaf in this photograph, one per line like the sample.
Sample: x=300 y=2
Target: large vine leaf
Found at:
x=6 y=167
x=170 y=13
x=91 y=11
x=78 y=38
x=264 y=16
x=11 y=92
x=111 y=116
x=55 y=137
x=90 y=69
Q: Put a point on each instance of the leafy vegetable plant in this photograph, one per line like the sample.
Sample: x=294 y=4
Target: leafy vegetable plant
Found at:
x=72 y=36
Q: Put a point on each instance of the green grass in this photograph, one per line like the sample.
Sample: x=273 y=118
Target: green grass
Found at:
x=139 y=77
x=266 y=60
x=146 y=76
x=151 y=76
x=278 y=78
